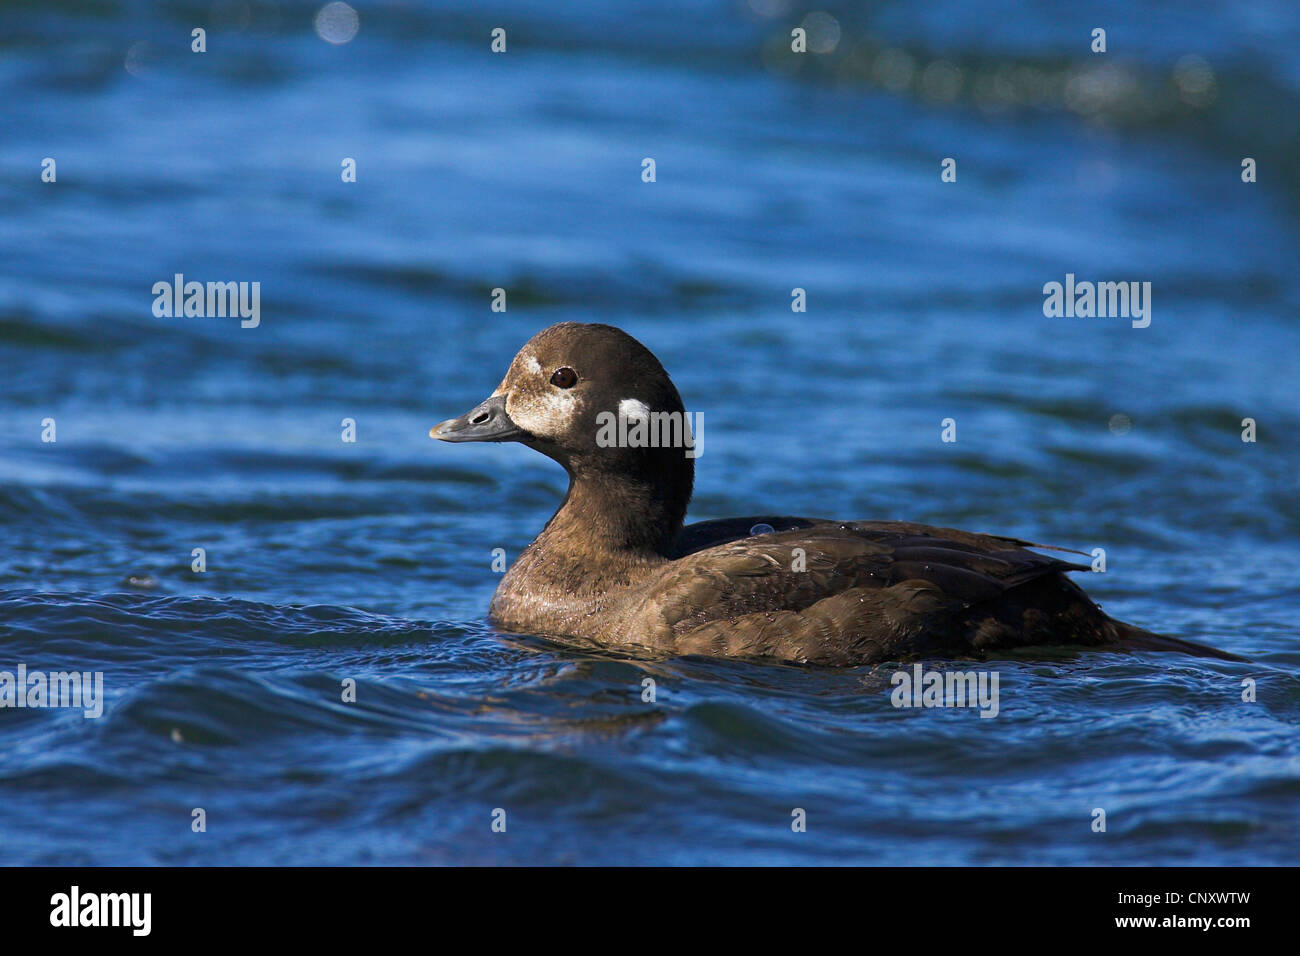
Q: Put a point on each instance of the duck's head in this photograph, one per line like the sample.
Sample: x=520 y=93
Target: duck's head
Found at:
x=564 y=395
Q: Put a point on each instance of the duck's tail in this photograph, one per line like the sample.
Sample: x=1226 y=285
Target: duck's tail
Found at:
x=1135 y=639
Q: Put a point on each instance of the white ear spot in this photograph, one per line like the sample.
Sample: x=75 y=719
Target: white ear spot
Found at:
x=633 y=409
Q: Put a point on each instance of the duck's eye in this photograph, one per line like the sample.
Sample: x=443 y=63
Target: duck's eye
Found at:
x=564 y=378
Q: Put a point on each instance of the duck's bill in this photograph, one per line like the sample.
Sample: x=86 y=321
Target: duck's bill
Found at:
x=486 y=422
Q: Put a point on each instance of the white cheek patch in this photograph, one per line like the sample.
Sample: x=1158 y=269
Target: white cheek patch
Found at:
x=548 y=415
x=633 y=409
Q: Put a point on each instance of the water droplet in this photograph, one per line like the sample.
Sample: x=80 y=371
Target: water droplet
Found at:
x=337 y=23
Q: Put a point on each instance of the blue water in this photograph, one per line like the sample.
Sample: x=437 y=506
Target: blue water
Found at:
x=371 y=561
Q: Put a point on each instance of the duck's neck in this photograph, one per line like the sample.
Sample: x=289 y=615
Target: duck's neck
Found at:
x=613 y=517
x=609 y=534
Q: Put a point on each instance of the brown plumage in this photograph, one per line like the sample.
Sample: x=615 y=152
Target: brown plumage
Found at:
x=615 y=566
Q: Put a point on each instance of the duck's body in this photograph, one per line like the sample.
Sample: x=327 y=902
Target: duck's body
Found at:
x=615 y=566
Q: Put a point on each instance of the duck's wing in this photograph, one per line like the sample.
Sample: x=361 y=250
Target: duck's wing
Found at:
x=709 y=534
x=858 y=592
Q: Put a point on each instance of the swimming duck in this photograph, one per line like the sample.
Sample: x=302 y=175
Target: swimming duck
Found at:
x=616 y=567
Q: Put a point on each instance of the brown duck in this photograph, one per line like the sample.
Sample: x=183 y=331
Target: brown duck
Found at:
x=614 y=566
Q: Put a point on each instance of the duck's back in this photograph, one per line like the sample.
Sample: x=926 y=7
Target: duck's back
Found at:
x=855 y=592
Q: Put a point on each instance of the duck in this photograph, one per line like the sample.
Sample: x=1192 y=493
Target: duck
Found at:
x=617 y=567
